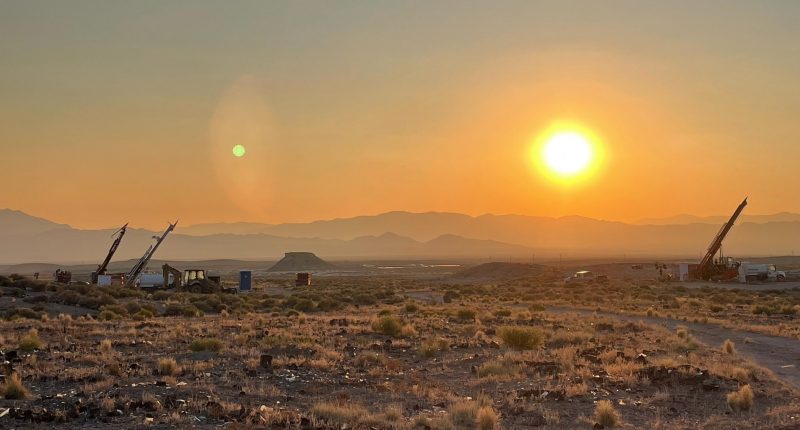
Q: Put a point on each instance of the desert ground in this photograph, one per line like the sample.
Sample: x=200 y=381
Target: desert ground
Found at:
x=508 y=346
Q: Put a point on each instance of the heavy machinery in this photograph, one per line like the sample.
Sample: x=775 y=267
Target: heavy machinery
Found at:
x=191 y=280
x=62 y=276
x=103 y=267
x=138 y=268
x=711 y=268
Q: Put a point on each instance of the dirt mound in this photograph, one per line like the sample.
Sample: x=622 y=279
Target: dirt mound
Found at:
x=300 y=262
x=501 y=271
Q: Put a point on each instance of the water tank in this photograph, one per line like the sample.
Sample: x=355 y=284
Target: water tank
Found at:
x=150 y=280
x=245 y=280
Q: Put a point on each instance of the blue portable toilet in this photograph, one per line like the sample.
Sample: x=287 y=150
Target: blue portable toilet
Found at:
x=245 y=280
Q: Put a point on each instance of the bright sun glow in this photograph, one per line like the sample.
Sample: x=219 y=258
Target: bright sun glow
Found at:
x=567 y=153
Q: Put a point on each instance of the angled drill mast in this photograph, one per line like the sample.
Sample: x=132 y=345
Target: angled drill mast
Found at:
x=706 y=268
x=140 y=265
x=101 y=269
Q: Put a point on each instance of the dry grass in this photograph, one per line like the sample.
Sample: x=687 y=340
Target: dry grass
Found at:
x=167 y=366
x=387 y=325
x=31 y=341
x=576 y=390
x=12 y=388
x=503 y=368
x=624 y=370
x=430 y=348
x=408 y=330
x=729 y=347
x=106 y=346
x=521 y=338
x=605 y=414
x=348 y=355
x=487 y=418
x=107 y=404
x=464 y=413
x=206 y=344
x=340 y=415
x=741 y=400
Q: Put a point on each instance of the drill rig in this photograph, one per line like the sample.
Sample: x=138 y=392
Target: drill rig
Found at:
x=136 y=270
x=103 y=267
x=718 y=269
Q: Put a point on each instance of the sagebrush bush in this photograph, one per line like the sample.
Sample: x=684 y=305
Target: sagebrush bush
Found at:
x=143 y=314
x=521 y=338
x=182 y=310
x=30 y=341
x=107 y=315
x=429 y=348
x=502 y=367
x=387 y=325
x=466 y=314
x=206 y=344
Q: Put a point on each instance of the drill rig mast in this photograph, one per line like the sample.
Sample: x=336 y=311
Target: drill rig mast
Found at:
x=140 y=265
x=103 y=267
x=707 y=267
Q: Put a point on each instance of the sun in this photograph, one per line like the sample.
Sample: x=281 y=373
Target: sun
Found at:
x=567 y=153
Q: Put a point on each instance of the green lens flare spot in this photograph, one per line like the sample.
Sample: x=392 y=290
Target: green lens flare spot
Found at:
x=239 y=151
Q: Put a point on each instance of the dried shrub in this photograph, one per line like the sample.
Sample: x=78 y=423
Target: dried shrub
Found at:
x=30 y=341
x=168 y=366
x=12 y=388
x=387 y=325
x=521 y=338
x=741 y=400
x=605 y=414
x=206 y=344
x=487 y=418
x=729 y=347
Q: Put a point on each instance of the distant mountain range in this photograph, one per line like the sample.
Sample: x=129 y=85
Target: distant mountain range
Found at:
x=719 y=220
x=24 y=238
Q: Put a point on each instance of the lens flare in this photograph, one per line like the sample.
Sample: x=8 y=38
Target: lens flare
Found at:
x=239 y=151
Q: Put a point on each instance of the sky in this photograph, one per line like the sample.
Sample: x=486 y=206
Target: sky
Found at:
x=114 y=112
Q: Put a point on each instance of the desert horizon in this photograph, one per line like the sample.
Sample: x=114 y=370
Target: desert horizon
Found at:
x=406 y=235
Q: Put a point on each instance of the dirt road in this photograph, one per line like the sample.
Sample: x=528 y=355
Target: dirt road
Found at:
x=788 y=285
x=781 y=355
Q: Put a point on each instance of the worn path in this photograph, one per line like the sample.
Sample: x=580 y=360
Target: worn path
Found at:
x=781 y=355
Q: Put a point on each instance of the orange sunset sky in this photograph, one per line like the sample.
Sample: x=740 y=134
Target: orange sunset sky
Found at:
x=128 y=111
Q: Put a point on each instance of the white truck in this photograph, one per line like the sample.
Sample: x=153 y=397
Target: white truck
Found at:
x=750 y=272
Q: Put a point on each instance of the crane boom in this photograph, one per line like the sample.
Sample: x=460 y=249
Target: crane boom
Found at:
x=140 y=265
x=101 y=269
x=716 y=244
